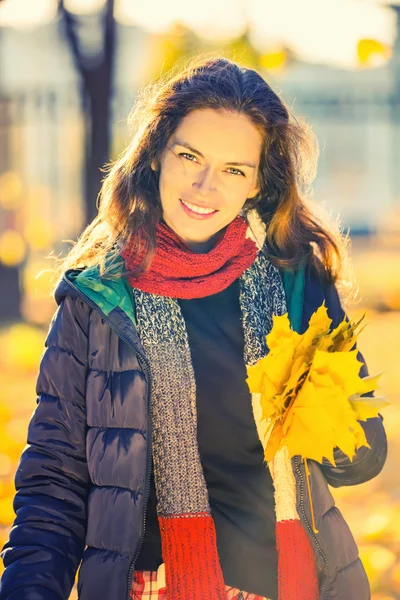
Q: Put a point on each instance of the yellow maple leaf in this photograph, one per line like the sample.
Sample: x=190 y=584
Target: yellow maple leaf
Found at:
x=310 y=389
x=318 y=327
x=367 y=407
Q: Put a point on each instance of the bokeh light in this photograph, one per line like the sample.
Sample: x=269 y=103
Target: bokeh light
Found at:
x=12 y=248
x=11 y=189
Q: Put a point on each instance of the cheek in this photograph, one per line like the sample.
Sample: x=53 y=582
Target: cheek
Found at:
x=238 y=194
x=172 y=178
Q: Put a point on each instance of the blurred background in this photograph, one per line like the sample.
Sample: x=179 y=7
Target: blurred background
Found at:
x=69 y=74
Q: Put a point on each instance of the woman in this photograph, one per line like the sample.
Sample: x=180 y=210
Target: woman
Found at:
x=143 y=456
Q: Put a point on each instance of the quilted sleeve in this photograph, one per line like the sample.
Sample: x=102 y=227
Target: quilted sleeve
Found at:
x=47 y=540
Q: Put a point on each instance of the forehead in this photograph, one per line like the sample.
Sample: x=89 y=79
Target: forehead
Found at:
x=220 y=134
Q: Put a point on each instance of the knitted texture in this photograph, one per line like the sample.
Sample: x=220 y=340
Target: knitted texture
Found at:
x=293 y=545
x=297 y=573
x=189 y=548
x=294 y=551
x=285 y=486
x=177 y=272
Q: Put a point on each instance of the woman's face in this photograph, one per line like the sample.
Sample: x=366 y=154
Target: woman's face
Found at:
x=207 y=171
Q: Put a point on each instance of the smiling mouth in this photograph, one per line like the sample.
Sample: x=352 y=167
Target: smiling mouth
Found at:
x=200 y=210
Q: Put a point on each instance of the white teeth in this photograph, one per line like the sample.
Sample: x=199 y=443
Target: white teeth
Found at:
x=198 y=209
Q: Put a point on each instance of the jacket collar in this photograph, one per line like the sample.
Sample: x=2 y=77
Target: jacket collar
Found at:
x=110 y=296
x=107 y=294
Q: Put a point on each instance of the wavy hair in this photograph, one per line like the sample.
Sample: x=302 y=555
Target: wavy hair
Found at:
x=129 y=201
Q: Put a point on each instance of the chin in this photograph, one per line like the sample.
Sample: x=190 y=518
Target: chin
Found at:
x=197 y=233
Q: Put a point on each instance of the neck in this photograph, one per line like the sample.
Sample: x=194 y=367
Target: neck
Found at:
x=206 y=246
x=201 y=247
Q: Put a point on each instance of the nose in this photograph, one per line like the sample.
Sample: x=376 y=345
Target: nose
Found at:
x=204 y=181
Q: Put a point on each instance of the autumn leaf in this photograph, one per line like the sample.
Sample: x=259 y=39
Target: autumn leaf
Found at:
x=311 y=394
x=366 y=408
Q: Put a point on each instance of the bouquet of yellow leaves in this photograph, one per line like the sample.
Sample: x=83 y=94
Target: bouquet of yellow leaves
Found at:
x=311 y=389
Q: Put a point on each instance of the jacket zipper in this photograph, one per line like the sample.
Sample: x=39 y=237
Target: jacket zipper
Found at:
x=149 y=428
x=322 y=553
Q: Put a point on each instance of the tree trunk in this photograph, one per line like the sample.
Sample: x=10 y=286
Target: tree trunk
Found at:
x=97 y=82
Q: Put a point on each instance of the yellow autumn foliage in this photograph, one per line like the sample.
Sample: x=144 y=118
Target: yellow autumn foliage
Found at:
x=311 y=391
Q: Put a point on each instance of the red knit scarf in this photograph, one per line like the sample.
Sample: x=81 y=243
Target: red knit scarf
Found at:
x=177 y=272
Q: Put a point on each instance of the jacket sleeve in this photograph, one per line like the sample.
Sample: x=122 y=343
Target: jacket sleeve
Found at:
x=368 y=462
x=46 y=542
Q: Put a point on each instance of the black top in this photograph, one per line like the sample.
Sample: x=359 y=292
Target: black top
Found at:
x=238 y=481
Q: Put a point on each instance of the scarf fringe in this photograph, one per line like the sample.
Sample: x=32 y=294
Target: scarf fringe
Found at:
x=189 y=549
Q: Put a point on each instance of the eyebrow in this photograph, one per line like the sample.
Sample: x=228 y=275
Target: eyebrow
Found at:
x=235 y=164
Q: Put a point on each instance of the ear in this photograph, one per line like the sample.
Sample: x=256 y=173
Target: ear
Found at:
x=155 y=165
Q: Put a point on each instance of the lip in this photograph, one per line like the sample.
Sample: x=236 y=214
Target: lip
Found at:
x=195 y=215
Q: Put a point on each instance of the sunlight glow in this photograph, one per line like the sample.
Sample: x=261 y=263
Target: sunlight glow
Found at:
x=25 y=14
x=143 y=14
x=84 y=7
x=320 y=31
x=209 y=19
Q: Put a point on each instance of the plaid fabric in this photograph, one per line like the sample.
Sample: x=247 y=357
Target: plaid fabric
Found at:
x=146 y=587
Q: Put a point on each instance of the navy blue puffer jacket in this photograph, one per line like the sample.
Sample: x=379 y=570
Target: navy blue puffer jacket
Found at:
x=83 y=479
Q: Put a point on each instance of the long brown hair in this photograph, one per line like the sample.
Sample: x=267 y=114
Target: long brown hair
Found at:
x=129 y=201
